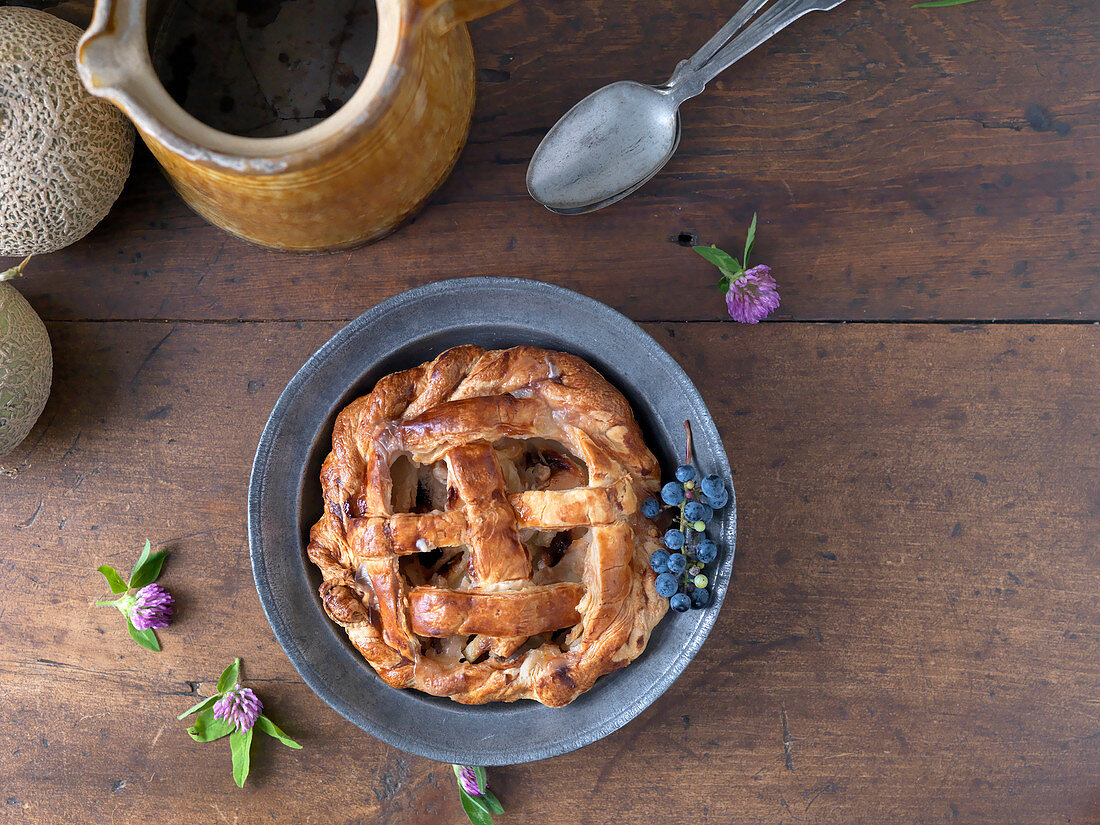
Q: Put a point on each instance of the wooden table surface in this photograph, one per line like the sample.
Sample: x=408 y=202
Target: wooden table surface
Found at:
x=913 y=630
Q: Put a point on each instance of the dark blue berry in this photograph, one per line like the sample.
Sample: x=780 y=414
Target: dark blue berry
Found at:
x=680 y=603
x=719 y=501
x=712 y=486
x=700 y=597
x=677 y=563
x=706 y=551
x=674 y=539
x=667 y=585
x=697 y=511
x=672 y=493
x=659 y=561
x=686 y=473
x=650 y=508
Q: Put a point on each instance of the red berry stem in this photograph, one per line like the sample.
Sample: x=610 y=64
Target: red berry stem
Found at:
x=689 y=453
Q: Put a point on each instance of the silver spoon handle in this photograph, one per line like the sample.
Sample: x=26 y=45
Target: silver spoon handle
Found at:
x=711 y=47
x=691 y=76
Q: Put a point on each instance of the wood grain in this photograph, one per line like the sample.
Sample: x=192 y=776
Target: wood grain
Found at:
x=912 y=635
x=906 y=164
x=914 y=630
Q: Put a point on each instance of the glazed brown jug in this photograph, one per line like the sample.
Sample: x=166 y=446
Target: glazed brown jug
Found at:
x=352 y=178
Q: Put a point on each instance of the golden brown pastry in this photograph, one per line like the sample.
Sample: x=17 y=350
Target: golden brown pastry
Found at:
x=482 y=538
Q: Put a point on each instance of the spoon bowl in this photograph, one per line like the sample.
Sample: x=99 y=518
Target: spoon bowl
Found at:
x=604 y=148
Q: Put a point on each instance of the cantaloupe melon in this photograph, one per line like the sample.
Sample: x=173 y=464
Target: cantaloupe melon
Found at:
x=64 y=154
x=26 y=364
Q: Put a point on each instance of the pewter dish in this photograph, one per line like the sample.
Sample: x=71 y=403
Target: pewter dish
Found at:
x=284 y=500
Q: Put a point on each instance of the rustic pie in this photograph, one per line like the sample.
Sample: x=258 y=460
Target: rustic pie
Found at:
x=481 y=536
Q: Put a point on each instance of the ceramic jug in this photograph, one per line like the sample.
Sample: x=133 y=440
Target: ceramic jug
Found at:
x=352 y=178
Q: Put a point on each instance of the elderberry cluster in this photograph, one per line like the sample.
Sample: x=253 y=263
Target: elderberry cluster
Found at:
x=680 y=568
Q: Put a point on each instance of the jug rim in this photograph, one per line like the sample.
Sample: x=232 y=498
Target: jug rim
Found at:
x=114 y=62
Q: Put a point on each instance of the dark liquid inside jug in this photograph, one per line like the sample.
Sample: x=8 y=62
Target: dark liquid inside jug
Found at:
x=264 y=68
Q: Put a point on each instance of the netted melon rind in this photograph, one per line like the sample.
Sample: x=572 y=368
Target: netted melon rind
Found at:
x=65 y=154
x=26 y=367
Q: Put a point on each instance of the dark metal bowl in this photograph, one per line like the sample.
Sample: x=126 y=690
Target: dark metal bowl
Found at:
x=284 y=500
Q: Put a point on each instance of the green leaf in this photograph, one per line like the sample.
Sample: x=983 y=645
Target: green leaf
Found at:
x=722 y=260
x=478 y=801
x=145 y=638
x=147 y=567
x=494 y=804
x=240 y=744
x=479 y=777
x=477 y=813
x=230 y=676
x=938 y=3
x=271 y=729
x=141 y=559
x=207 y=728
x=115 y=581
x=750 y=239
x=201 y=706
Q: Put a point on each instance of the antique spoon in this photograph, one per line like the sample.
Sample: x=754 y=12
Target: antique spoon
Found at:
x=620 y=136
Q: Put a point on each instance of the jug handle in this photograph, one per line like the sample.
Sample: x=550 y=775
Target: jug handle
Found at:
x=452 y=12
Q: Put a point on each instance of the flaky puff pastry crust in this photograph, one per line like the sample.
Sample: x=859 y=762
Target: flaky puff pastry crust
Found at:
x=481 y=625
